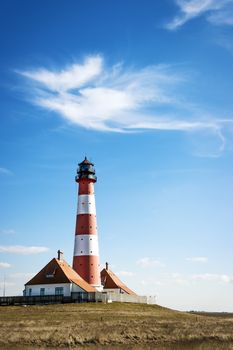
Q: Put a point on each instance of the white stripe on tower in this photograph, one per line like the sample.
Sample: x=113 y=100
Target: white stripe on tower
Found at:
x=86 y=245
x=86 y=204
x=86 y=251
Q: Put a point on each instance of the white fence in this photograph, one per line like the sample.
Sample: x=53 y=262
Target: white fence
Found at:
x=108 y=297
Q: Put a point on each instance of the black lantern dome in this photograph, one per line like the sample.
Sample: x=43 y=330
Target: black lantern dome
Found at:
x=86 y=171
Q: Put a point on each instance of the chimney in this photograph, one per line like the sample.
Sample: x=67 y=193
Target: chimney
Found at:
x=107 y=266
x=60 y=255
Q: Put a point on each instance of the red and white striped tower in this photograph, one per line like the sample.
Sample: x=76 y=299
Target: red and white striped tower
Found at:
x=86 y=251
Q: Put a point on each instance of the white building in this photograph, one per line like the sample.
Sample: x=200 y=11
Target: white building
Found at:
x=57 y=278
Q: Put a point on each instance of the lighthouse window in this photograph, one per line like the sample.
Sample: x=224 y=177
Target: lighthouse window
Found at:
x=90 y=239
x=81 y=251
x=81 y=239
x=91 y=251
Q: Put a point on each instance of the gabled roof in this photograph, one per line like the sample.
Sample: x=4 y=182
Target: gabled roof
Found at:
x=111 y=281
x=59 y=271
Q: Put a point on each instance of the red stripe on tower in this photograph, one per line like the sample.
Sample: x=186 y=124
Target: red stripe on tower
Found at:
x=86 y=251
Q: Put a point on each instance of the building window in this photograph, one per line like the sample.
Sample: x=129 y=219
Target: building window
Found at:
x=42 y=291
x=30 y=291
x=59 y=290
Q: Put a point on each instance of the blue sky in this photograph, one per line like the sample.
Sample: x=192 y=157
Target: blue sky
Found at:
x=144 y=89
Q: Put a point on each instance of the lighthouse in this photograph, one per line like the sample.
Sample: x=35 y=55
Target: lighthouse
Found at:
x=86 y=251
x=58 y=278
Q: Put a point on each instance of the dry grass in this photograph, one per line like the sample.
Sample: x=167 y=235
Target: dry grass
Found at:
x=78 y=325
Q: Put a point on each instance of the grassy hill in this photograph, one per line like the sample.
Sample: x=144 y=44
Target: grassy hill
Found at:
x=78 y=325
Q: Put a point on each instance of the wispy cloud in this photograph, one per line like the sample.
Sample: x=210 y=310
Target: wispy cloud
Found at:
x=151 y=282
x=108 y=99
x=224 y=17
x=5 y=171
x=73 y=77
x=198 y=259
x=21 y=275
x=18 y=249
x=7 y=231
x=177 y=278
x=149 y=263
x=125 y=273
x=4 y=265
x=116 y=98
x=215 y=11
x=225 y=42
x=213 y=277
x=185 y=280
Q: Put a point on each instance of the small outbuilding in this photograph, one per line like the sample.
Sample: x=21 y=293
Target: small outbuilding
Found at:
x=57 y=278
x=111 y=283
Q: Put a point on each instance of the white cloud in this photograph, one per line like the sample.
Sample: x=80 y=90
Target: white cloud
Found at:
x=198 y=259
x=18 y=249
x=216 y=11
x=224 y=17
x=94 y=96
x=5 y=171
x=177 y=278
x=149 y=263
x=4 y=265
x=122 y=99
x=213 y=277
x=151 y=282
x=21 y=275
x=72 y=77
x=125 y=273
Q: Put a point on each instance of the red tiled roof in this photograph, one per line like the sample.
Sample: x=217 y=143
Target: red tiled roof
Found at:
x=111 y=281
x=59 y=271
